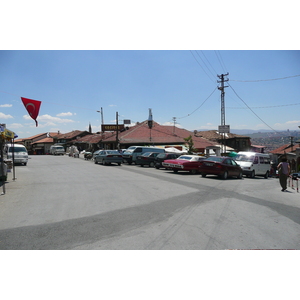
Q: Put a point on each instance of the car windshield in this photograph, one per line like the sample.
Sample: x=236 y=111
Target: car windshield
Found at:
x=17 y=149
x=59 y=147
x=215 y=158
x=185 y=157
x=242 y=157
x=112 y=152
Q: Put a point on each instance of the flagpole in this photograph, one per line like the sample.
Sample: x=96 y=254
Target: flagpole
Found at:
x=13 y=159
x=2 y=169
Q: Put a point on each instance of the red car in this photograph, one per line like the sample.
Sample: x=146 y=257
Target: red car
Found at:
x=222 y=166
x=184 y=163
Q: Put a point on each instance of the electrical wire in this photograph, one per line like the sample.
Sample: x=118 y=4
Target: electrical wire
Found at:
x=251 y=109
x=202 y=67
x=199 y=106
x=221 y=61
x=264 y=106
x=208 y=61
x=205 y=63
x=265 y=79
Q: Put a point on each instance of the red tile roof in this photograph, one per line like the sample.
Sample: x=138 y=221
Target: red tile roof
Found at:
x=140 y=134
x=215 y=135
x=283 y=149
x=45 y=140
x=90 y=138
x=69 y=135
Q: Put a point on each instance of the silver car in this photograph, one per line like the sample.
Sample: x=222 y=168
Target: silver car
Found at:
x=106 y=157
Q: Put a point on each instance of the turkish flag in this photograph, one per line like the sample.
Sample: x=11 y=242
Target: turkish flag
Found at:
x=33 y=108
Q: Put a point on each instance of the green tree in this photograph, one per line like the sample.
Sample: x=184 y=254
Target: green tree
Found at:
x=190 y=145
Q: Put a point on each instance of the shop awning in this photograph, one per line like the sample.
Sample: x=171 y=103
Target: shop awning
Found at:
x=7 y=134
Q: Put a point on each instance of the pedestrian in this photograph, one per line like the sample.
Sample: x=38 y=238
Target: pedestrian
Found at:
x=284 y=172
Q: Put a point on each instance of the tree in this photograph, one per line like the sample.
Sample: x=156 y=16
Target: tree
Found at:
x=190 y=145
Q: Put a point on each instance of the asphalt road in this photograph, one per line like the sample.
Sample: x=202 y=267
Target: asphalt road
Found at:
x=58 y=202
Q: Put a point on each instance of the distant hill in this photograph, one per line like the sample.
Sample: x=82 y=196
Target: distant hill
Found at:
x=270 y=139
x=248 y=131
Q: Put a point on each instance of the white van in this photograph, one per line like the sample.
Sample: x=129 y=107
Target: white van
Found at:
x=132 y=152
x=254 y=163
x=57 y=150
x=19 y=151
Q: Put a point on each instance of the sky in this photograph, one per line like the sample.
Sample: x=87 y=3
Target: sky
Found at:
x=262 y=89
x=137 y=64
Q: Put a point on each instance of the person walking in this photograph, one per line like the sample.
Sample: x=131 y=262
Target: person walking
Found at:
x=284 y=172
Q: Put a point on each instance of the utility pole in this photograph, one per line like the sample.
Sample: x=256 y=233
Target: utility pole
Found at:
x=117 y=135
x=174 y=120
x=221 y=88
x=150 y=122
x=102 y=121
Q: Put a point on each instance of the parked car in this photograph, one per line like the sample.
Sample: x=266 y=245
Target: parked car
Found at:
x=222 y=166
x=296 y=176
x=147 y=158
x=96 y=153
x=161 y=157
x=57 y=150
x=106 y=157
x=17 y=152
x=132 y=152
x=254 y=164
x=184 y=163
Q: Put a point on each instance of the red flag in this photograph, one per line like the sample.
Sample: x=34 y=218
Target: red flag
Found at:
x=33 y=108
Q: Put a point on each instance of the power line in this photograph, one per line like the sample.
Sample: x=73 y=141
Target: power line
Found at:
x=205 y=63
x=251 y=109
x=208 y=61
x=199 y=106
x=201 y=67
x=271 y=106
x=220 y=60
x=265 y=79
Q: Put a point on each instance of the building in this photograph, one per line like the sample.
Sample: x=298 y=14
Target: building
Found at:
x=158 y=135
x=34 y=145
x=234 y=141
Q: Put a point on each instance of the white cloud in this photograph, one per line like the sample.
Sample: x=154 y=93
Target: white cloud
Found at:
x=64 y=114
x=49 y=119
x=15 y=125
x=4 y=116
x=6 y=105
x=208 y=126
x=171 y=124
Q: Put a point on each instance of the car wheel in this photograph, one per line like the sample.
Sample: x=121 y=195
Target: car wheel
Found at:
x=252 y=174
x=267 y=175
x=119 y=164
x=240 y=176
x=203 y=175
x=225 y=175
x=193 y=171
x=95 y=161
x=151 y=164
